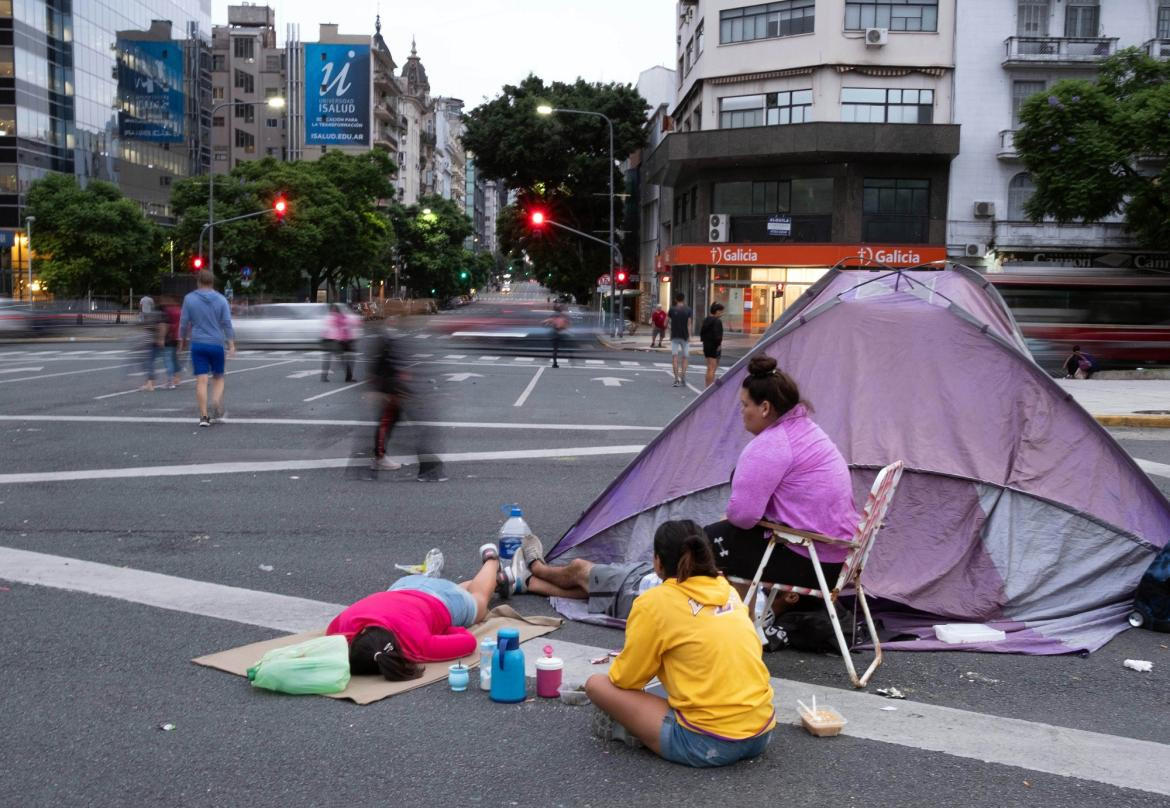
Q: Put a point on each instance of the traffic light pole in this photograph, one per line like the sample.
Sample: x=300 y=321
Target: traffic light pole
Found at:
x=210 y=225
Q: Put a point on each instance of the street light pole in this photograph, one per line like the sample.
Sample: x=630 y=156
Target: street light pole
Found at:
x=28 y=223
x=545 y=109
x=275 y=103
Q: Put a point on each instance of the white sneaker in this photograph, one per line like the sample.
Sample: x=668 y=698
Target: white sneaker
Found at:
x=433 y=564
x=520 y=573
x=386 y=464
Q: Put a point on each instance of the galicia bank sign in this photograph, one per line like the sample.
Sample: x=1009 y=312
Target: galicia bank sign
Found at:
x=894 y=256
x=337 y=95
x=734 y=255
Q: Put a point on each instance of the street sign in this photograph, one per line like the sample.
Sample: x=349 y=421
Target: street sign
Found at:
x=780 y=226
x=7 y=238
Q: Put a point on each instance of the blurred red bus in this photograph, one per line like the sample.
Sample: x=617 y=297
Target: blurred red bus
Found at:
x=1122 y=321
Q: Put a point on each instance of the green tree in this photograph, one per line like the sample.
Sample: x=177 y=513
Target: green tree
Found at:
x=431 y=238
x=560 y=163
x=91 y=239
x=336 y=231
x=1094 y=148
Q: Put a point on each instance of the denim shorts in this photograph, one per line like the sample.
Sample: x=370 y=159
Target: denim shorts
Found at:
x=458 y=600
x=680 y=347
x=681 y=745
x=206 y=358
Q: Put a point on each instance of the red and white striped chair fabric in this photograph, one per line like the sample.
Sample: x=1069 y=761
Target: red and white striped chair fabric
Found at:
x=877 y=502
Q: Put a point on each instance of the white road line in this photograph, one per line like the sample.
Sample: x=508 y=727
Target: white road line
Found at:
x=1150 y=467
x=421 y=356
x=23 y=370
x=145 y=419
x=489 y=359
x=350 y=386
x=192 y=381
x=524 y=359
x=455 y=356
x=66 y=373
x=594 y=362
x=630 y=364
x=300 y=465
x=1062 y=751
x=421 y=336
x=662 y=364
x=528 y=390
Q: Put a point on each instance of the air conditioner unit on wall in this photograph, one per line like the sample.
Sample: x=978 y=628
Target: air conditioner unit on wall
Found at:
x=719 y=225
x=876 y=37
x=984 y=210
x=974 y=250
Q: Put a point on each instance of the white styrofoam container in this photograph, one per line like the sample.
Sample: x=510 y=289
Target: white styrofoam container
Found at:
x=957 y=633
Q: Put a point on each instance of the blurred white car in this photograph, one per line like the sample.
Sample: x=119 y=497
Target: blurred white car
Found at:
x=15 y=318
x=289 y=324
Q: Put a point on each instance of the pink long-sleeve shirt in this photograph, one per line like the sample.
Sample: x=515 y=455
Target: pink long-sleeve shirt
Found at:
x=793 y=473
x=420 y=621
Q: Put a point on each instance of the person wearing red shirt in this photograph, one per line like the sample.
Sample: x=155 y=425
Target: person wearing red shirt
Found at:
x=419 y=619
x=658 y=320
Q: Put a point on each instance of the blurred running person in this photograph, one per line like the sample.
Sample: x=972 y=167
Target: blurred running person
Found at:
x=205 y=323
x=338 y=339
x=153 y=338
x=558 y=324
x=172 y=314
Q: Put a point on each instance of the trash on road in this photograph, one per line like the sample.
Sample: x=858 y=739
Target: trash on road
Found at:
x=823 y=723
x=267 y=567
x=166 y=727
x=1139 y=665
x=973 y=676
x=891 y=693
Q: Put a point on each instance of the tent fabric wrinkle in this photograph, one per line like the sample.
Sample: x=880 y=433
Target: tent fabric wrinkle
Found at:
x=1016 y=507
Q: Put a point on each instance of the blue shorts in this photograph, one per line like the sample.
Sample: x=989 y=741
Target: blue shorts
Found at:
x=458 y=600
x=678 y=744
x=206 y=358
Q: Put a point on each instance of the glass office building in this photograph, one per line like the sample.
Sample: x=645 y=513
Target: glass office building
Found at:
x=117 y=90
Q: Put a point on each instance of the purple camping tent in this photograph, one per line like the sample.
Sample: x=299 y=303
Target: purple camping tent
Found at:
x=1016 y=509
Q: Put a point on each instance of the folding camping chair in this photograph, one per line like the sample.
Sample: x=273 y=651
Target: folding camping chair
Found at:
x=876 y=505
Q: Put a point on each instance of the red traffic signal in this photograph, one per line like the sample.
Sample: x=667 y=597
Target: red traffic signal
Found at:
x=536 y=218
x=196 y=262
x=622 y=277
x=280 y=207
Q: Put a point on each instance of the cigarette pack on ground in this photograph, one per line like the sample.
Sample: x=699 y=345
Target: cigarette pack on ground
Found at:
x=821 y=721
x=958 y=633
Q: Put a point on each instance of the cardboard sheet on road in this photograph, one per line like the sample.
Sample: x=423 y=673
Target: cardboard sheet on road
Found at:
x=368 y=689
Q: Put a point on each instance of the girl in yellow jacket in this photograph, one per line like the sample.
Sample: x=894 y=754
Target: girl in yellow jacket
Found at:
x=693 y=632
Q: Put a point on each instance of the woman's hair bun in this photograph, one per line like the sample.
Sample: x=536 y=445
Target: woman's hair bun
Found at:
x=761 y=365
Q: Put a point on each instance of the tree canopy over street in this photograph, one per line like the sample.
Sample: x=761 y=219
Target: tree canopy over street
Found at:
x=431 y=238
x=557 y=163
x=91 y=239
x=1094 y=148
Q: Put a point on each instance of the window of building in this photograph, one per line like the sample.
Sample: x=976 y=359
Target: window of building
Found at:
x=246 y=113
x=272 y=123
x=218 y=62
x=217 y=93
x=697 y=118
x=740 y=111
x=7 y=121
x=243 y=47
x=788 y=107
x=272 y=62
x=699 y=31
x=217 y=120
x=1032 y=18
x=690 y=55
x=272 y=92
x=9 y=183
x=245 y=141
x=766 y=21
x=1163 y=31
x=694 y=202
x=812 y=196
x=1021 y=92
x=244 y=81
x=876 y=105
x=1081 y=18
x=895 y=210
x=1020 y=190
x=897 y=15
x=747 y=198
x=220 y=155
x=7 y=62
x=678 y=76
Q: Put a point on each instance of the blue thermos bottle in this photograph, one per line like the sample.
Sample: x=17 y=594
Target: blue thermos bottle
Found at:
x=508 y=684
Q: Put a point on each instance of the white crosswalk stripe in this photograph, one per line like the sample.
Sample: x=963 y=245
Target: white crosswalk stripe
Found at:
x=524 y=359
x=488 y=358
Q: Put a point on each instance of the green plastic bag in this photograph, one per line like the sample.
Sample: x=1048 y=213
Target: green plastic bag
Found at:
x=320 y=665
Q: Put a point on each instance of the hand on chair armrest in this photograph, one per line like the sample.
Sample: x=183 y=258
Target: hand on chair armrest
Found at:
x=794 y=536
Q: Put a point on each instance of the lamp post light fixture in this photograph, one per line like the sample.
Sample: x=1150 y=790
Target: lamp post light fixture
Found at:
x=28 y=223
x=546 y=109
x=276 y=102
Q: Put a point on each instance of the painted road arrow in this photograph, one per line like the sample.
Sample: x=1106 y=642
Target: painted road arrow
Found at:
x=609 y=381
x=462 y=377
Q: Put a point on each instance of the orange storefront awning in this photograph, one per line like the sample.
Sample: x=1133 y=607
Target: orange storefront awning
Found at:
x=795 y=255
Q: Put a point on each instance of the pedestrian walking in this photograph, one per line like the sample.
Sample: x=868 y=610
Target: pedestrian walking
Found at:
x=146 y=304
x=1078 y=365
x=558 y=324
x=205 y=323
x=711 y=333
x=338 y=339
x=680 y=338
x=154 y=331
x=171 y=315
x=658 y=321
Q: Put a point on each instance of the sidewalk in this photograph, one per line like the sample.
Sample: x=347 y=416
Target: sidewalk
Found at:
x=731 y=342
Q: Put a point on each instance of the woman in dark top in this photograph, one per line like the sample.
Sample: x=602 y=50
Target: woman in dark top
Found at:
x=711 y=333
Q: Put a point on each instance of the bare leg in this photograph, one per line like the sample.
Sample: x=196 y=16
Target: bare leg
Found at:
x=636 y=710
x=543 y=588
x=217 y=393
x=674 y=365
x=574 y=575
x=482 y=586
x=201 y=394
x=711 y=365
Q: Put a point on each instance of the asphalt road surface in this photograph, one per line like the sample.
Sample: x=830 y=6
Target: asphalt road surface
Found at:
x=95 y=471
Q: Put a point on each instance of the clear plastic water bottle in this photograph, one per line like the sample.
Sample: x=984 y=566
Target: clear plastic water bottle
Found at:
x=512 y=533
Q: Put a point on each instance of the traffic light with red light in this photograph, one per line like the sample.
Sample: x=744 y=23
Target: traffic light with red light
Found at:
x=622 y=277
x=280 y=207
x=536 y=219
x=196 y=263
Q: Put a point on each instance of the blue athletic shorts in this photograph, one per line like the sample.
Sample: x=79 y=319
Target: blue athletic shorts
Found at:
x=206 y=358
x=458 y=600
x=678 y=744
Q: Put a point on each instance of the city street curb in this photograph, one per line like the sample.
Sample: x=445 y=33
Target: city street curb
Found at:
x=1139 y=421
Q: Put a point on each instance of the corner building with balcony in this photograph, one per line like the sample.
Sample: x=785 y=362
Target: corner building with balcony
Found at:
x=1007 y=51
x=804 y=132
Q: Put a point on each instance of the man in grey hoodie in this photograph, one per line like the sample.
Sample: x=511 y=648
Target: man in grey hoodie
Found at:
x=206 y=325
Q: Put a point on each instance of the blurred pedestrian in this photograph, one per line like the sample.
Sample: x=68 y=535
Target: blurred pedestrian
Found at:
x=658 y=321
x=680 y=338
x=558 y=325
x=154 y=331
x=393 y=384
x=711 y=333
x=146 y=304
x=171 y=316
x=338 y=339
x=1078 y=365
x=205 y=323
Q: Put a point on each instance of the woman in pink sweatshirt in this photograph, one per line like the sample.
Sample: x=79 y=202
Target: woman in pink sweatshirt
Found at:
x=791 y=473
x=419 y=619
